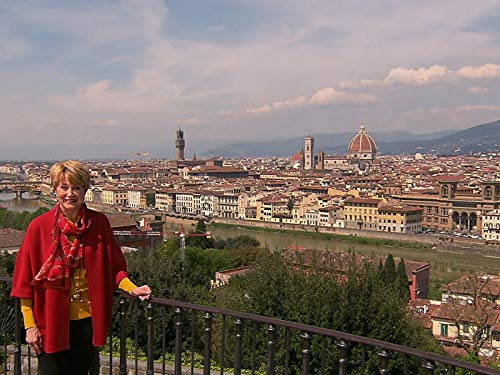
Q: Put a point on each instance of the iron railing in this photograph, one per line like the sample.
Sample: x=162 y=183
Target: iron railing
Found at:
x=171 y=337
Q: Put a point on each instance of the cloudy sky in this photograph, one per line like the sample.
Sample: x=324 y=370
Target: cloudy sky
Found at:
x=96 y=78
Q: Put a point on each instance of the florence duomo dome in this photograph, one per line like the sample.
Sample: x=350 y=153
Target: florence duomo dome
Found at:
x=362 y=146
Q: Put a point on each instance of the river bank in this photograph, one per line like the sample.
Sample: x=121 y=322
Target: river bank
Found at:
x=423 y=241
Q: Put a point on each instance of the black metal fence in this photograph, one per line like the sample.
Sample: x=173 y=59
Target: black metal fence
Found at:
x=170 y=337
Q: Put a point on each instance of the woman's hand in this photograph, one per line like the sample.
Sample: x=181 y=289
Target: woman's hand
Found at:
x=143 y=292
x=34 y=339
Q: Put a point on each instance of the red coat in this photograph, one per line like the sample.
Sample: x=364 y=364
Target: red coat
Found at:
x=105 y=267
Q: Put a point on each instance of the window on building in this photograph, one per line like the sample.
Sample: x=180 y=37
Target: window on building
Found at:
x=465 y=327
x=444 y=329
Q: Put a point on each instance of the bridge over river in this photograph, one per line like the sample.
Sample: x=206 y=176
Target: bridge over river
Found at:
x=20 y=187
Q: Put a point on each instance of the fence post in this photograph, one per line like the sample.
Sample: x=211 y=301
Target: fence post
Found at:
x=123 y=342
x=384 y=362
x=428 y=366
x=178 y=341
x=208 y=343
x=344 y=349
x=306 y=352
x=17 y=348
x=239 y=335
x=271 y=338
x=150 y=362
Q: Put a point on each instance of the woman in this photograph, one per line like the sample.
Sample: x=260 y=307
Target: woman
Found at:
x=66 y=271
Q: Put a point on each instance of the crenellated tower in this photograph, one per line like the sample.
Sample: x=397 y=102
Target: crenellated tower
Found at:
x=180 y=143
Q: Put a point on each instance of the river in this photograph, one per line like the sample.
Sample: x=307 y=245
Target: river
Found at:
x=28 y=203
x=444 y=265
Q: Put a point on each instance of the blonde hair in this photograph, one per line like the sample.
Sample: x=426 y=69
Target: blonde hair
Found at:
x=75 y=171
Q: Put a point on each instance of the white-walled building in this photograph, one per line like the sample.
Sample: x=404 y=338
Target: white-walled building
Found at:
x=491 y=225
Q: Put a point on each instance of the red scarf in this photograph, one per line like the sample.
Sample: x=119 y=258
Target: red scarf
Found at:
x=64 y=256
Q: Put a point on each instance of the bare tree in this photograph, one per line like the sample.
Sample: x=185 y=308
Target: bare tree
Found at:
x=472 y=313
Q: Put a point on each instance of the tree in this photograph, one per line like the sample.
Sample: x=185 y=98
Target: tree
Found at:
x=201 y=227
x=402 y=280
x=290 y=205
x=7 y=262
x=470 y=311
x=389 y=269
x=150 y=199
x=18 y=220
x=240 y=242
x=354 y=300
x=246 y=255
x=203 y=242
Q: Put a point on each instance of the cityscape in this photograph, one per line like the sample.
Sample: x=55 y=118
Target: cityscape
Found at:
x=306 y=189
x=447 y=204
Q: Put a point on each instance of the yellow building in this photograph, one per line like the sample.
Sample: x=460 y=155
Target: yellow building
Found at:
x=399 y=219
x=362 y=213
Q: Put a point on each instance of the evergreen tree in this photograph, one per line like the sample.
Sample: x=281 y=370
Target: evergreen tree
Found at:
x=200 y=241
x=402 y=280
x=201 y=227
x=289 y=205
x=389 y=269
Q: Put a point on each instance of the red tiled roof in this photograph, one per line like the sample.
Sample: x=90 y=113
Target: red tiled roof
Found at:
x=363 y=200
x=449 y=178
x=399 y=209
x=362 y=142
x=10 y=238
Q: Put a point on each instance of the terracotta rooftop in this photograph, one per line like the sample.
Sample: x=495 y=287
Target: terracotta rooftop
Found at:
x=399 y=209
x=363 y=200
x=10 y=238
x=121 y=220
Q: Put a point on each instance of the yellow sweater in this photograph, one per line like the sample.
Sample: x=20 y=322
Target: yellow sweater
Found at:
x=79 y=308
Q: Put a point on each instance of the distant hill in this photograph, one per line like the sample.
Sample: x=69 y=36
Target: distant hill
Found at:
x=330 y=143
x=480 y=138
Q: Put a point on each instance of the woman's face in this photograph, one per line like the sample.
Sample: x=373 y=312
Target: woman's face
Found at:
x=70 y=197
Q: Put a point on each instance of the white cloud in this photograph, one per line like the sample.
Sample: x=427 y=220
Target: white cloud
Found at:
x=483 y=71
x=479 y=107
x=108 y=123
x=145 y=94
x=94 y=89
x=425 y=76
x=478 y=90
x=330 y=95
x=420 y=76
x=323 y=96
x=190 y=121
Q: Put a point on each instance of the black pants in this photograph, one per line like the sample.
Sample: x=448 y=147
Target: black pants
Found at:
x=81 y=357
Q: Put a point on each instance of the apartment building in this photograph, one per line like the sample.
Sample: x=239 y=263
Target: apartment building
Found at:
x=226 y=205
x=331 y=216
x=362 y=213
x=165 y=200
x=491 y=225
x=114 y=195
x=399 y=219
x=185 y=203
x=134 y=197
